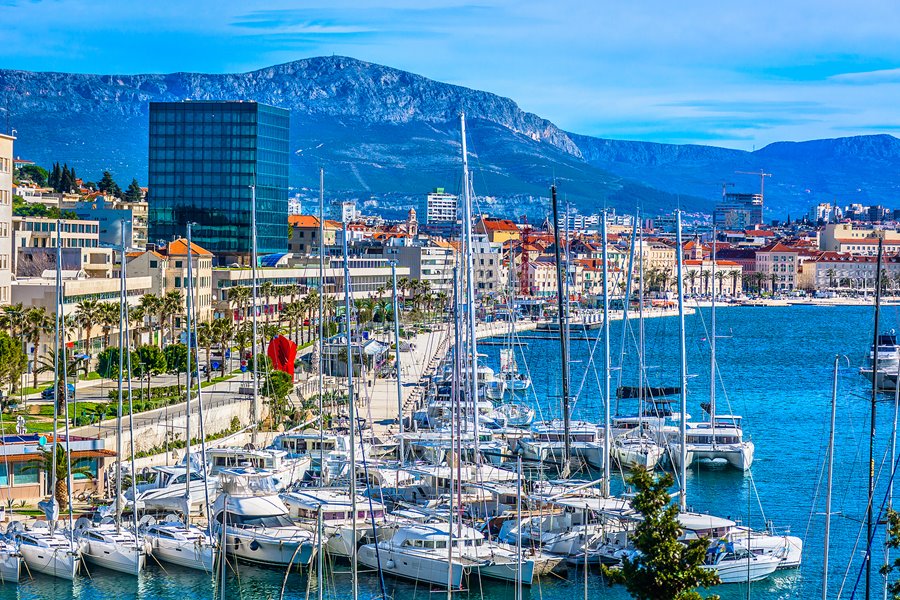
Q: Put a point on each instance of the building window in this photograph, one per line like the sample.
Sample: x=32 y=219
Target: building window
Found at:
x=178 y=282
x=177 y=264
x=22 y=475
x=154 y=264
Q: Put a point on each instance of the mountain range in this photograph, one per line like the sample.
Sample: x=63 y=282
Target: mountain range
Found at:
x=386 y=137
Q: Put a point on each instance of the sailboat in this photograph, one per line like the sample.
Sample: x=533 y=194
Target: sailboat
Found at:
x=109 y=544
x=44 y=548
x=638 y=446
x=719 y=441
x=174 y=541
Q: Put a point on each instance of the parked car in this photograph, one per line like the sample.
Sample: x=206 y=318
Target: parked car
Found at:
x=50 y=392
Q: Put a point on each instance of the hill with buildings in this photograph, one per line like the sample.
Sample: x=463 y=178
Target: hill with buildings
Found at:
x=386 y=136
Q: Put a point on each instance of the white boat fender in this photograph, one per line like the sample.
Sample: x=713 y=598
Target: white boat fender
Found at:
x=390 y=564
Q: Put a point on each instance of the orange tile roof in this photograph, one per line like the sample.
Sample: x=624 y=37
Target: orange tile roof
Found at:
x=179 y=248
x=304 y=221
x=498 y=225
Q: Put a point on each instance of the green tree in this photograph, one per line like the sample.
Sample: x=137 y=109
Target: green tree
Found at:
x=50 y=461
x=108 y=186
x=133 y=193
x=108 y=363
x=663 y=567
x=54 y=177
x=148 y=360
x=893 y=542
x=13 y=361
x=176 y=361
x=277 y=386
x=37 y=175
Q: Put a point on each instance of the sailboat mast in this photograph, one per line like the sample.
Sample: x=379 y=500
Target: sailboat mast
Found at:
x=607 y=471
x=470 y=284
x=122 y=351
x=682 y=493
x=351 y=403
x=253 y=261
x=712 y=343
x=396 y=310
x=641 y=366
x=189 y=317
x=870 y=523
x=321 y=329
x=827 y=539
x=60 y=343
x=563 y=346
x=625 y=301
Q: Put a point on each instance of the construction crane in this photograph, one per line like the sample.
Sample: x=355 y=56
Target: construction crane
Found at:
x=762 y=180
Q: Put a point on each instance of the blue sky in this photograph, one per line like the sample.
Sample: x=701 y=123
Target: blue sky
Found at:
x=733 y=74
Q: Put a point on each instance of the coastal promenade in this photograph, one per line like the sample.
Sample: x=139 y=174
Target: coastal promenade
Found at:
x=378 y=400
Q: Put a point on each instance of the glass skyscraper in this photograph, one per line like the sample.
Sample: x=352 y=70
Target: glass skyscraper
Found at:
x=204 y=158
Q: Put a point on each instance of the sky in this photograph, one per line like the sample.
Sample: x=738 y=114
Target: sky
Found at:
x=718 y=72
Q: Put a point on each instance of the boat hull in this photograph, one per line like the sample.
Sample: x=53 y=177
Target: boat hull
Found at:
x=113 y=557
x=185 y=553
x=741 y=571
x=268 y=552
x=50 y=561
x=414 y=567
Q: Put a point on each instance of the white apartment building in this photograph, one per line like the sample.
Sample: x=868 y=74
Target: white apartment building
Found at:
x=34 y=241
x=441 y=207
x=6 y=173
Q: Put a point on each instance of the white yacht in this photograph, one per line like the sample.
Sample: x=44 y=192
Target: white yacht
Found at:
x=10 y=562
x=547 y=442
x=716 y=444
x=788 y=549
x=283 y=470
x=50 y=553
x=422 y=552
x=175 y=543
x=629 y=451
x=337 y=516
x=255 y=521
x=117 y=549
x=164 y=489
x=735 y=564
x=516 y=415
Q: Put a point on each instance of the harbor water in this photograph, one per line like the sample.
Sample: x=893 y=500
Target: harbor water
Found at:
x=775 y=364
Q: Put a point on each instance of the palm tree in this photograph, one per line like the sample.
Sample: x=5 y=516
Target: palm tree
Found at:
x=692 y=279
x=108 y=317
x=266 y=289
x=243 y=337
x=87 y=314
x=720 y=276
x=136 y=318
x=704 y=278
x=172 y=305
x=12 y=319
x=223 y=330
x=206 y=337
x=55 y=460
x=831 y=273
x=239 y=297
x=150 y=305
x=329 y=304
x=37 y=323
x=734 y=282
x=70 y=364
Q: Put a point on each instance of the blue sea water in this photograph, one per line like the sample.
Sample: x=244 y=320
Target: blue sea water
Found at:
x=776 y=369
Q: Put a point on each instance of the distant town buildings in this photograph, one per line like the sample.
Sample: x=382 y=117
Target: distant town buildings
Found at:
x=441 y=207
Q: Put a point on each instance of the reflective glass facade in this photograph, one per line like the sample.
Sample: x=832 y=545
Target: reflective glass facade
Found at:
x=204 y=156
